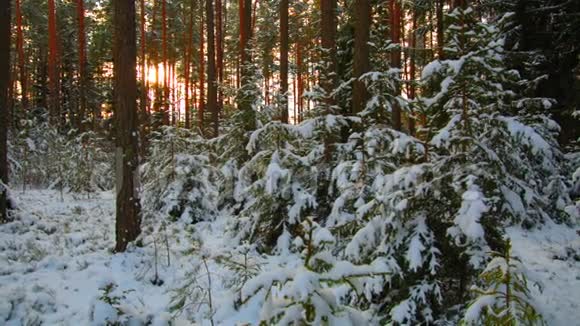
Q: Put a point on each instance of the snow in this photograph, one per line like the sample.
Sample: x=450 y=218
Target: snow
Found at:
x=414 y=256
x=474 y=312
x=103 y=313
x=529 y=136
x=445 y=84
x=431 y=68
x=56 y=259
x=275 y=174
x=55 y=262
x=442 y=137
x=472 y=209
x=514 y=201
x=403 y=310
x=551 y=256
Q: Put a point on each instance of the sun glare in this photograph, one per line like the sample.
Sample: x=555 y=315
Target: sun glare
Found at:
x=151 y=73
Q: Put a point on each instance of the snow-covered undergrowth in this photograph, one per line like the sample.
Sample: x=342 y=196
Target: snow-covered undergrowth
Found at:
x=551 y=256
x=56 y=268
x=56 y=265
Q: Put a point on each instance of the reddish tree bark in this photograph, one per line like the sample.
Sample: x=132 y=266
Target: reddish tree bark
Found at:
x=187 y=68
x=254 y=16
x=165 y=63
x=299 y=81
x=412 y=69
x=361 y=62
x=82 y=64
x=128 y=220
x=328 y=42
x=144 y=116
x=21 y=56
x=211 y=69
x=219 y=50
x=244 y=102
x=143 y=49
x=295 y=104
x=395 y=11
x=241 y=18
x=201 y=97
x=172 y=92
x=5 y=20
x=245 y=29
x=158 y=93
x=53 y=65
x=459 y=4
x=284 y=60
x=440 y=28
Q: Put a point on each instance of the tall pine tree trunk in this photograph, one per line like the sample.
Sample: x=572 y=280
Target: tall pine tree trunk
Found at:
x=440 y=28
x=412 y=69
x=187 y=68
x=284 y=60
x=201 y=98
x=299 y=81
x=82 y=65
x=53 y=65
x=21 y=56
x=361 y=63
x=165 y=62
x=328 y=42
x=242 y=42
x=220 y=50
x=40 y=94
x=244 y=102
x=144 y=116
x=395 y=12
x=211 y=69
x=459 y=4
x=4 y=85
x=128 y=221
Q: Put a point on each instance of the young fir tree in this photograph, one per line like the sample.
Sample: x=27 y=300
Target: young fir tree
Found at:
x=480 y=108
x=275 y=187
x=178 y=177
x=505 y=298
x=313 y=285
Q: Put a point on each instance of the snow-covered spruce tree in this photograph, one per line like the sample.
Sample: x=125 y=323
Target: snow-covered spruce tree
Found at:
x=285 y=203
x=322 y=132
x=483 y=109
x=492 y=154
x=230 y=147
x=439 y=213
x=310 y=285
x=179 y=179
x=275 y=188
x=57 y=164
x=574 y=159
x=371 y=150
x=29 y=164
x=287 y=171
x=91 y=164
x=23 y=156
x=379 y=214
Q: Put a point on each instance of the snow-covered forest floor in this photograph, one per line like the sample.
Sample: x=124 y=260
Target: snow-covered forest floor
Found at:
x=56 y=264
x=56 y=267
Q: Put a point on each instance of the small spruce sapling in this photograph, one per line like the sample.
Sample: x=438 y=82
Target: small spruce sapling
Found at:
x=504 y=298
x=311 y=285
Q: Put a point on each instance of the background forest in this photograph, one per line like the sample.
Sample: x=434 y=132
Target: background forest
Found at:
x=352 y=162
